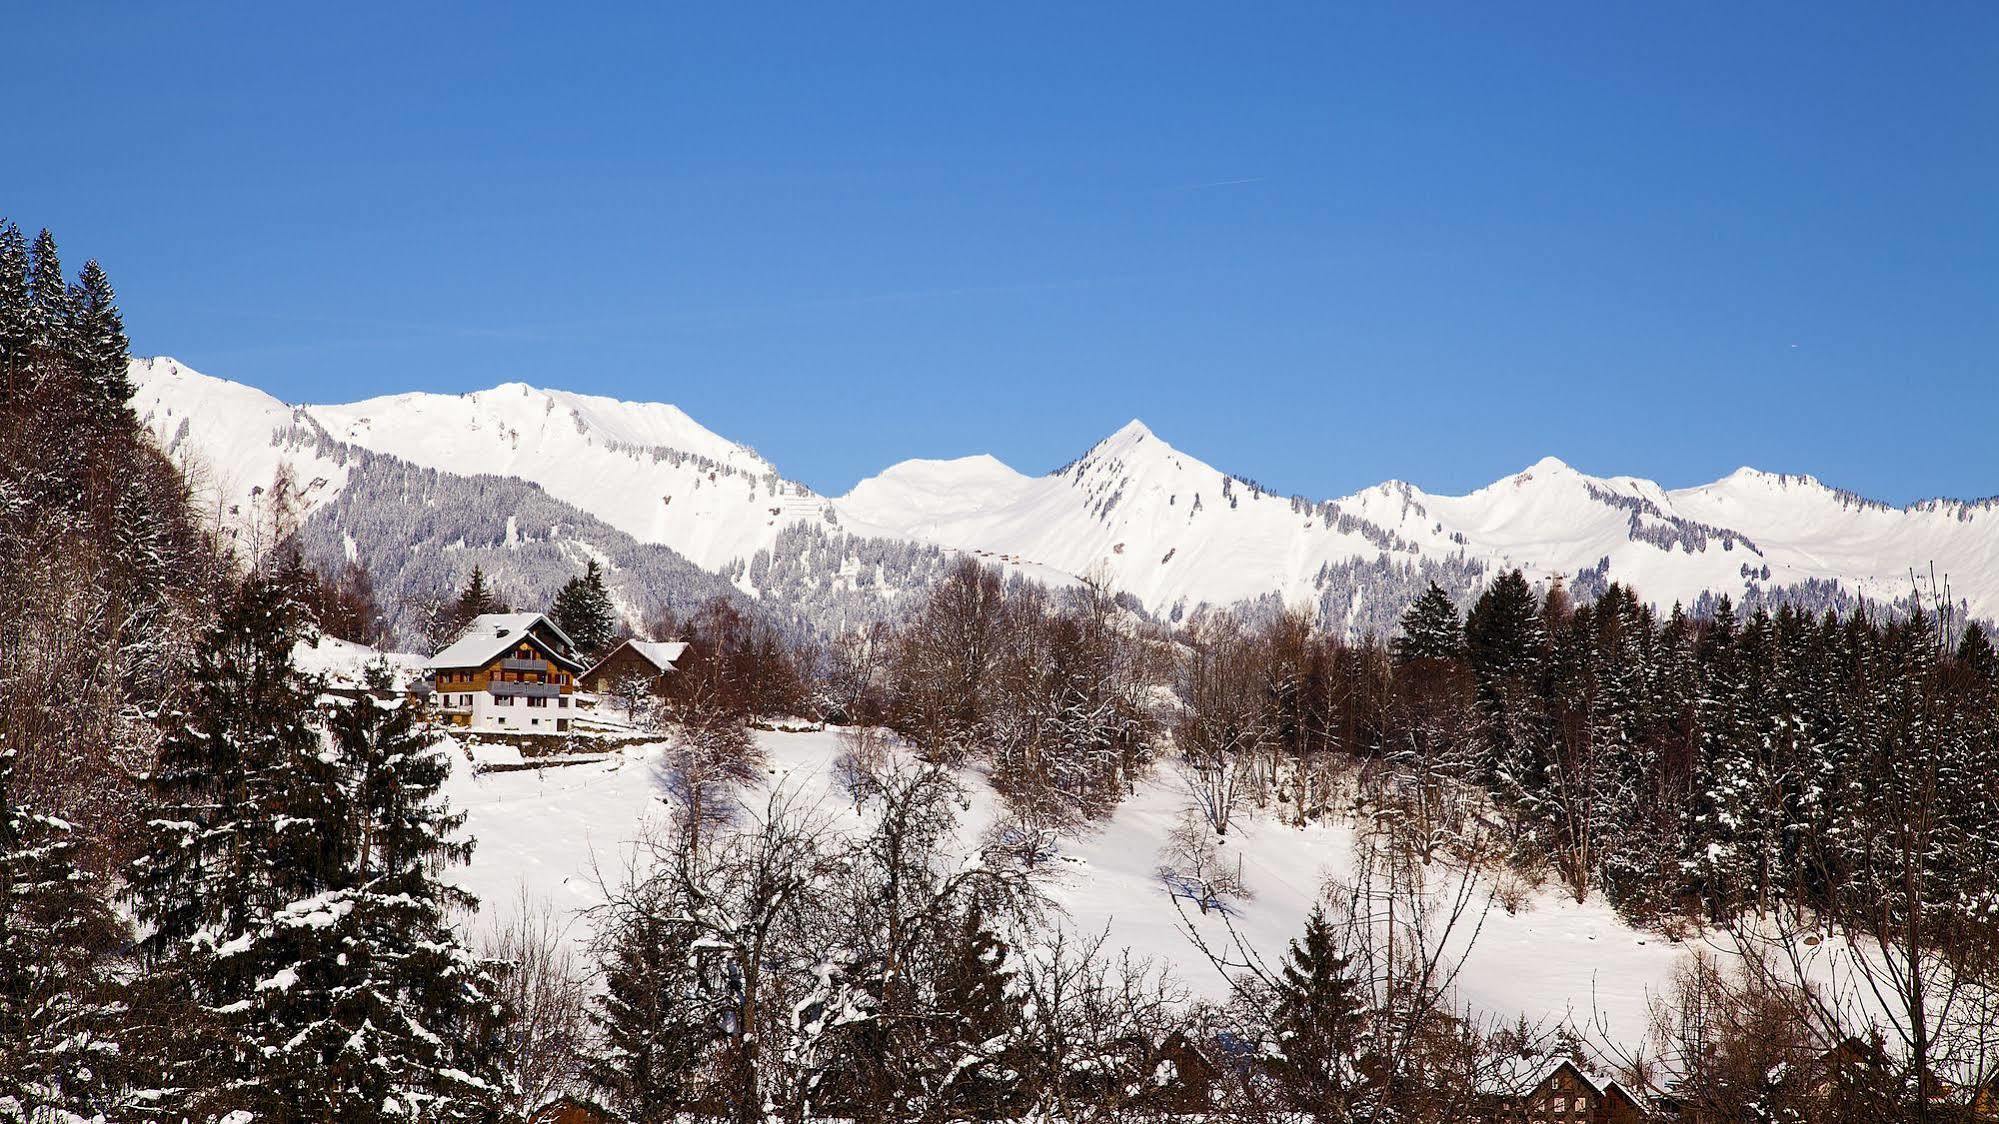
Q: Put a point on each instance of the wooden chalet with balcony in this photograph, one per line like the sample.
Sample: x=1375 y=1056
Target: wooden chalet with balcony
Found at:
x=508 y=673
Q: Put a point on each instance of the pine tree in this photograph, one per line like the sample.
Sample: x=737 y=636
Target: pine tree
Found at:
x=101 y=346
x=583 y=610
x=242 y=828
x=51 y=315
x=1431 y=629
x=383 y=1015
x=15 y=329
x=652 y=1026
x=59 y=1014
x=1317 y=1024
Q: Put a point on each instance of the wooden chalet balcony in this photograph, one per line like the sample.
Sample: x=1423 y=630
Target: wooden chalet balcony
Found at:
x=525 y=690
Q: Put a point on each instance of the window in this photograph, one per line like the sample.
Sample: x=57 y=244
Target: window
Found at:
x=562 y=700
x=561 y=724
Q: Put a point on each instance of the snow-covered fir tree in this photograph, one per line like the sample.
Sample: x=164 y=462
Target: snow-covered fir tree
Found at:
x=61 y=1013
x=1318 y=1024
x=379 y=1012
x=1431 y=629
x=583 y=610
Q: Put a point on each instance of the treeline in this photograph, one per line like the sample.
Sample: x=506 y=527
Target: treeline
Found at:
x=1706 y=768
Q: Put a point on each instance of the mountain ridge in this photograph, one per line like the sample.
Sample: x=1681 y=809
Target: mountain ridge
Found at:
x=1132 y=510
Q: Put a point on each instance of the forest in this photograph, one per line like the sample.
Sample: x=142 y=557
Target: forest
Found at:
x=225 y=887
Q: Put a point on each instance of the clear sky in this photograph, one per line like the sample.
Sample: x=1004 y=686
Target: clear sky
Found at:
x=1317 y=244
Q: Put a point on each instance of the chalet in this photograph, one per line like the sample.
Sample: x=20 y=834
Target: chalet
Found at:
x=1567 y=1095
x=646 y=661
x=509 y=673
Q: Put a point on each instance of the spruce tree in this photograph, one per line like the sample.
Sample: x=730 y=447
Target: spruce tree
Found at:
x=1504 y=638
x=59 y=1008
x=583 y=610
x=1431 y=629
x=244 y=826
x=15 y=320
x=1975 y=653
x=101 y=346
x=383 y=1014
x=477 y=598
x=1317 y=1024
x=652 y=1028
x=978 y=998
x=51 y=315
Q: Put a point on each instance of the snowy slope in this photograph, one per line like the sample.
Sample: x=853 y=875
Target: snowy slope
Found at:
x=645 y=468
x=553 y=834
x=230 y=440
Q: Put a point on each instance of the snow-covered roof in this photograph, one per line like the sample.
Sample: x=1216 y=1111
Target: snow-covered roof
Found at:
x=491 y=634
x=659 y=653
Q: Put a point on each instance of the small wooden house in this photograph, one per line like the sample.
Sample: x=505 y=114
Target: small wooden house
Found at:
x=1565 y=1094
x=508 y=673
x=641 y=661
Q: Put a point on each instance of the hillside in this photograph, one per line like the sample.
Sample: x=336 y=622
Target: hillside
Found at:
x=551 y=834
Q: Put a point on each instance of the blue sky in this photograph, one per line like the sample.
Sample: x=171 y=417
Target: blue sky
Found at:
x=1320 y=245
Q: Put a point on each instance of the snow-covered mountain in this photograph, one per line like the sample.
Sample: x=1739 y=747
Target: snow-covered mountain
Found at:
x=1149 y=519
x=645 y=468
x=1176 y=532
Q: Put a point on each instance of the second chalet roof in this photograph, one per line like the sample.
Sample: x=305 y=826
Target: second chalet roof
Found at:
x=659 y=653
x=490 y=635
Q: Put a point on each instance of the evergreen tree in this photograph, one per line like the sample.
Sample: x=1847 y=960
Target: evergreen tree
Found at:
x=245 y=812
x=1431 y=629
x=14 y=314
x=101 y=346
x=1504 y=637
x=452 y=617
x=653 y=1027
x=59 y=1012
x=1975 y=653
x=583 y=610
x=383 y=1014
x=1717 y=862
x=51 y=315
x=477 y=599
x=1317 y=1023
x=979 y=1000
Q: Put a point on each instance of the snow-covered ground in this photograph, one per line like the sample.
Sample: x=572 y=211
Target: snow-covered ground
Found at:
x=552 y=834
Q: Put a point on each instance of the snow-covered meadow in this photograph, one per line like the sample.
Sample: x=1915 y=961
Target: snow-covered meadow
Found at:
x=555 y=835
